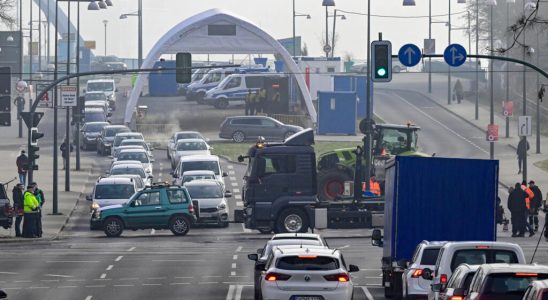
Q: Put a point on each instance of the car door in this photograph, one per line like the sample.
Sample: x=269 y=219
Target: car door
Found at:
x=251 y=127
x=145 y=210
x=270 y=129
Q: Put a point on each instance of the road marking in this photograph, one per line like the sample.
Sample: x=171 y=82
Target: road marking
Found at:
x=233 y=265
x=10 y=273
x=160 y=175
x=177 y=260
x=245 y=229
x=55 y=275
x=231 y=173
x=239 y=203
x=21 y=281
x=119 y=258
x=239 y=249
x=367 y=293
x=67 y=286
x=233 y=178
x=38 y=287
x=50 y=280
x=110 y=267
x=230 y=166
x=234 y=184
x=131 y=249
x=124 y=285
x=155 y=284
x=103 y=276
x=156 y=278
x=89 y=297
x=232 y=273
x=179 y=283
x=209 y=282
x=71 y=261
x=236 y=191
x=95 y=286
x=153 y=231
x=238 y=292
x=234 y=257
x=129 y=278
x=184 y=277
x=238 y=197
x=229 y=295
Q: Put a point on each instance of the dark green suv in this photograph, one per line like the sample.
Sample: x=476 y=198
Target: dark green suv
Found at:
x=157 y=206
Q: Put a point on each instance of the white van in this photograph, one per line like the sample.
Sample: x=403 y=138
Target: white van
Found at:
x=107 y=86
x=199 y=163
x=235 y=88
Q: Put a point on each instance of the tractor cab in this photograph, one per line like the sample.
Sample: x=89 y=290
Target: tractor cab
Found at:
x=390 y=140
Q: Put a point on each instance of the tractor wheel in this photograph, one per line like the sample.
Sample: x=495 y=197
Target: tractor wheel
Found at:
x=331 y=184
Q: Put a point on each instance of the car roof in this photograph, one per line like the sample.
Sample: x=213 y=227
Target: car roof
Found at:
x=115 y=126
x=198 y=172
x=130 y=165
x=511 y=268
x=128 y=141
x=250 y=117
x=124 y=147
x=93 y=123
x=199 y=158
x=116 y=180
x=125 y=176
x=189 y=140
x=202 y=182
x=93 y=109
x=433 y=244
x=469 y=268
x=95 y=92
x=312 y=250
x=294 y=242
x=129 y=134
x=468 y=244
x=280 y=236
x=101 y=80
x=132 y=150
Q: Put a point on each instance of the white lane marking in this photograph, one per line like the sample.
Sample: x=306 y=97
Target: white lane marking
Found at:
x=67 y=286
x=233 y=265
x=231 y=173
x=152 y=284
x=234 y=184
x=110 y=267
x=124 y=285
x=10 y=273
x=95 y=286
x=51 y=280
x=209 y=282
x=161 y=164
x=233 y=178
x=131 y=249
x=232 y=273
x=153 y=231
x=89 y=297
x=177 y=260
x=236 y=191
x=245 y=229
x=179 y=283
x=22 y=281
x=239 y=203
x=229 y=295
x=103 y=276
x=119 y=258
x=239 y=249
x=238 y=292
x=211 y=276
x=184 y=277
x=235 y=257
x=156 y=278
x=238 y=197
x=71 y=261
x=160 y=175
x=230 y=166
x=56 y=275
x=367 y=293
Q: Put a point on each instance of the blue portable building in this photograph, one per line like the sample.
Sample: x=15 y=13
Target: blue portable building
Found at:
x=162 y=84
x=355 y=83
x=337 y=113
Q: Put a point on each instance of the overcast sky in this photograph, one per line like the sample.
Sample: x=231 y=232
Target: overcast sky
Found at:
x=275 y=17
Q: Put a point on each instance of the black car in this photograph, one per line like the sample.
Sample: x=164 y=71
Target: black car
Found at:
x=6 y=213
x=89 y=133
x=106 y=137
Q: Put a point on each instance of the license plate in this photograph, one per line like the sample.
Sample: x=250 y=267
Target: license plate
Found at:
x=307 y=298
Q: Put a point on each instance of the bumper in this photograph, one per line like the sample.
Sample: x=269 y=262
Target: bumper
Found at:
x=217 y=217
x=415 y=290
x=272 y=292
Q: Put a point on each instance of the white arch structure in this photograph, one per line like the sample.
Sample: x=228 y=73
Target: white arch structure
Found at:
x=197 y=36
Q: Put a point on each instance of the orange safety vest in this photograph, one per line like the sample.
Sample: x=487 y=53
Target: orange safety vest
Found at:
x=530 y=195
x=374 y=187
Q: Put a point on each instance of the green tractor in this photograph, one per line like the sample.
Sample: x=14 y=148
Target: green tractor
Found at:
x=337 y=166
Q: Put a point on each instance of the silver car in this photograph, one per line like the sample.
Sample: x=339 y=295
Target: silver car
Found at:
x=243 y=128
x=212 y=206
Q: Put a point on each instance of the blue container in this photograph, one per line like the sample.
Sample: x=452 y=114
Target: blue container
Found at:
x=357 y=84
x=279 y=66
x=337 y=113
x=162 y=84
x=260 y=61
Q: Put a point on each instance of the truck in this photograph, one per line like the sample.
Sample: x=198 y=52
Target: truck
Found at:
x=434 y=199
x=6 y=210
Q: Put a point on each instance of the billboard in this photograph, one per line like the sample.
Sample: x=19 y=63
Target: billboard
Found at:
x=288 y=45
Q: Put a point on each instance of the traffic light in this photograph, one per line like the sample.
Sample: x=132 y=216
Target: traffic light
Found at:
x=5 y=96
x=33 y=151
x=381 y=56
x=184 y=67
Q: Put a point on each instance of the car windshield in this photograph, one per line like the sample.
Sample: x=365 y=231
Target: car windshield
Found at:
x=307 y=263
x=119 y=139
x=201 y=165
x=429 y=256
x=128 y=170
x=191 y=146
x=114 y=191
x=482 y=256
x=114 y=131
x=133 y=143
x=100 y=86
x=139 y=156
x=188 y=178
x=95 y=96
x=205 y=191
x=93 y=127
x=188 y=135
x=509 y=284
x=95 y=117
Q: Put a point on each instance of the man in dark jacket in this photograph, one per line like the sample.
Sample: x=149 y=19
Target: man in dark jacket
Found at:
x=22 y=163
x=18 y=206
x=523 y=147
x=65 y=148
x=535 y=204
x=41 y=199
x=517 y=208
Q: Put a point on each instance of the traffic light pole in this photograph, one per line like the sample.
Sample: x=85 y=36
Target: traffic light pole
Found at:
x=369 y=114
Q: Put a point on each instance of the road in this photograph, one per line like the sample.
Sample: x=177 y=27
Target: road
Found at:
x=210 y=262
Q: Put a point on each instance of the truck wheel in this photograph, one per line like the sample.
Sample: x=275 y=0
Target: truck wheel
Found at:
x=238 y=137
x=292 y=220
x=331 y=184
x=179 y=225
x=113 y=227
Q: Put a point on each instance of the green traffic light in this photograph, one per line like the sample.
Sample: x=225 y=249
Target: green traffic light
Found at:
x=381 y=72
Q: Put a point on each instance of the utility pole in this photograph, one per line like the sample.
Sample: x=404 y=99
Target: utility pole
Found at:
x=477 y=62
x=106 y=22
x=491 y=84
x=67 y=125
x=369 y=114
x=140 y=25
x=448 y=67
x=524 y=95
x=77 y=120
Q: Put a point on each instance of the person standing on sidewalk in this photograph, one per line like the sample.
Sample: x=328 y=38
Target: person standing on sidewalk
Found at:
x=30 y=212
x=529 y=195
x=65 y=148
x=18 y=207
x=523 y=147
x=22 y=163
x=517 y=208
x=459 y=91
x=41 y=199
x=536 y=203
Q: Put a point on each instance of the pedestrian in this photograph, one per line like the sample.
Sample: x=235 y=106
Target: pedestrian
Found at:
x=536 y=204
x=252 y=104
x=248 y=102
x=458 y=91
x=529 y=195
x=41 y=200
x=374 y=186
x=18 y=206
x=523 y=147
x=31 y=208
x=22 y=163
x=65 y=148
x=262 y=99
x=517 y=208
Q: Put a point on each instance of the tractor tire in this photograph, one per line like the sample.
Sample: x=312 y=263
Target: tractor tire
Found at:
x=331 y=184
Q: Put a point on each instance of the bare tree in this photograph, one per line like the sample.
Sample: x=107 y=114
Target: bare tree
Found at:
x=6 y=7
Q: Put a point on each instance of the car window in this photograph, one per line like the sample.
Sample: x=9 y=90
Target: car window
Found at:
x=139 y=156
x=267 y=123
x=253 y=82
x=307 y=263
x=100 y=86
x=416 y=253
x=201 y=166
x=191 y=146
x=233 y=83
x=148 y=198
x=188 y=135
x=95 y=96
x=278 y=164
x=429 y=256
x=94 y=117
x=509 y=283
x=128 y=170
x=482 y=256
x=114 y=191
x=176 y=196
x=93 y=127
x=205 y=191
x=189 y=178
x=467 y=280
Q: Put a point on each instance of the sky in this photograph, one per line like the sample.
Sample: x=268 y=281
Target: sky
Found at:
x=275 y=17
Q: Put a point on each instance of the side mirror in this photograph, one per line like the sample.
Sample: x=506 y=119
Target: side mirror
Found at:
x=253 y=256
x=438 y=287
x=402 y=263
x=376 y=238
x=353 y=268
x=225 y=174
x=89 y=198
x=3 y=294
x=240 y=158
x=228 y=194
x=460 y=292
x=427 y=274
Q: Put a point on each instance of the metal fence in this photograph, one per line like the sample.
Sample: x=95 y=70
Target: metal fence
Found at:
x=298 y=120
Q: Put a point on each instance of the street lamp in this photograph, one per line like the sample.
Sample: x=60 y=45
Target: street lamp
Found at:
x=335 y=16
x=105 y=22
x=93 y=5
x=326 y=47
x=139 y=15
x=409 y=3
x=295 y=14
x=491 y=4
x=109 y=3
x=102 y=4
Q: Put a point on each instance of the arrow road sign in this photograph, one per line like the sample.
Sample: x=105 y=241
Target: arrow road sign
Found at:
x=454 y=55
x=37 y=117
x=409 y=55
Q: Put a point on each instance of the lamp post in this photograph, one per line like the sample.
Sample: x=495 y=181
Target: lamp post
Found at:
x=139 y=15
x=105 y=22
x=508 y=66
x=295 y=15
x=335 y=16
x=527 y=5
x=491 y=3
x=326 y=47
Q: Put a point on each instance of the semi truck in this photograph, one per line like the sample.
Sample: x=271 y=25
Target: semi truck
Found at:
x=433 y=199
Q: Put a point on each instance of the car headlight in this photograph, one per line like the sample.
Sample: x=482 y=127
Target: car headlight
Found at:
x=221 y=206
x=94 y=206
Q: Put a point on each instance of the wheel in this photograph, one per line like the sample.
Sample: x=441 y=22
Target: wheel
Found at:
x=292 y=220
x=179 y=225
x=238 y=137
x=200 y=98
x=221 y=104
x=265 y=230
x=113 y=227
x=288 y=134
x=331 y=184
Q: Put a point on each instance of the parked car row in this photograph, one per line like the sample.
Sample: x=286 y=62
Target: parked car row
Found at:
x=301 y=266
x=471 y=270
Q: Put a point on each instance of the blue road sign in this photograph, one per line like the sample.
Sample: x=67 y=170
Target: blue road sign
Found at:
x=454 y=55
x=409 y=55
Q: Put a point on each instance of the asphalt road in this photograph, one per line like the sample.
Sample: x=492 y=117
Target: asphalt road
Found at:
x=210 y=262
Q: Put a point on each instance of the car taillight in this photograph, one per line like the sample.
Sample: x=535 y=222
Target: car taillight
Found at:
x=456 y=298
x=443 y=279
x=337 y=277
x=276 y=277
x=191 y=208
x=417 y=273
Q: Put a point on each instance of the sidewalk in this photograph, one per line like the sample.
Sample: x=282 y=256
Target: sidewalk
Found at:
x=9 y=150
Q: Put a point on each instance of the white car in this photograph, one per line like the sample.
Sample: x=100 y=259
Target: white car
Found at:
x=106 y=86
x=139 y=155
x=197 y=175
x=179 y=136
x=111 y=191
x=186 y=147
x=199 y=163
x=132 y=142
x=139 y=182
x=98 y=104
x=459 y=283
x=425 y=256
x=120 y=148
x=211 y=199
x=125 y=136
x=307 y=273
x=137 y=169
